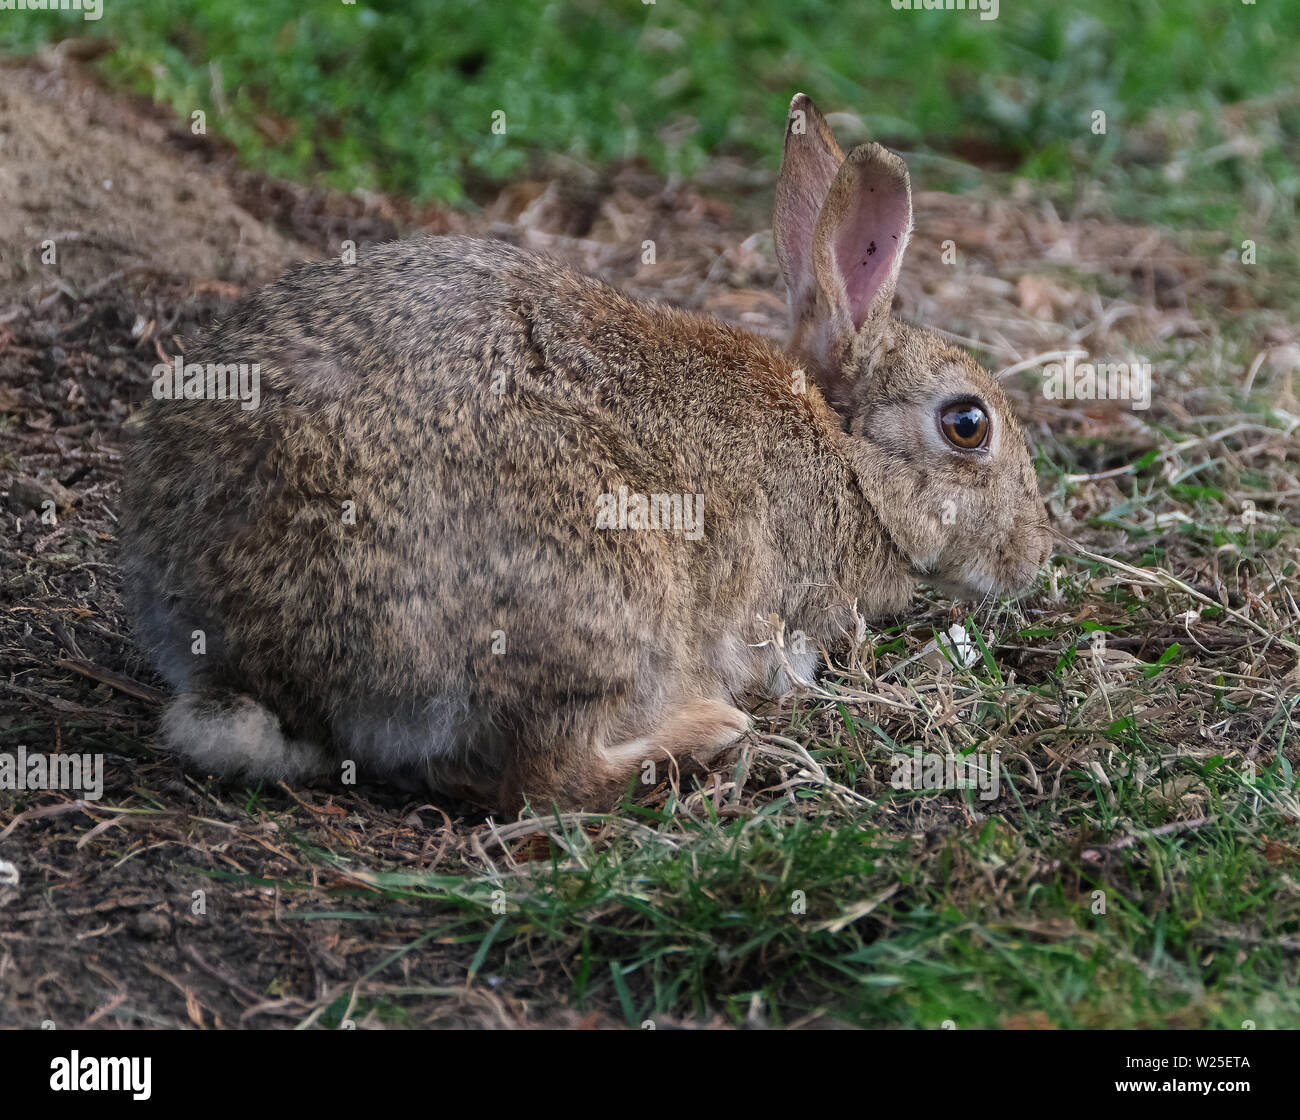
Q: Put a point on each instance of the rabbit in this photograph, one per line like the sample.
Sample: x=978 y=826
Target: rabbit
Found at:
x=445 y=545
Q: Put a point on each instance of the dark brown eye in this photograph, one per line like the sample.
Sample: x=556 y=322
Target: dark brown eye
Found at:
x=965 y=425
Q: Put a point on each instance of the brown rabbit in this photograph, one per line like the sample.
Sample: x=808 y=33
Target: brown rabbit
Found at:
x=494 y=523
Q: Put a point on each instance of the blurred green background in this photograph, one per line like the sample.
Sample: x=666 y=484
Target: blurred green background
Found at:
x=398 y=96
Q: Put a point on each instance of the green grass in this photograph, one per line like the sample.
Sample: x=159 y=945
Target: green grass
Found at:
x=706 y=925
x=978 y=921
x=398 y=97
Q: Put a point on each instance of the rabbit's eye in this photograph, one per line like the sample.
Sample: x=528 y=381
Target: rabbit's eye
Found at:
x=965 y=426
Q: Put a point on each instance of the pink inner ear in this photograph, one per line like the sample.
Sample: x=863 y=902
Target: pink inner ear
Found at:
x=867 y=245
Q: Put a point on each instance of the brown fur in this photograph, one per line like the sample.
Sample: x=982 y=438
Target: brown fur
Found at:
x=475 y=513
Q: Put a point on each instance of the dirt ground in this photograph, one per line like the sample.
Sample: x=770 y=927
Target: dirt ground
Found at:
x=156 y=232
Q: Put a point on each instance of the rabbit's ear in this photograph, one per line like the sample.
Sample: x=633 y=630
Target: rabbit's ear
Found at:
x=859 y=242
x=809 y=163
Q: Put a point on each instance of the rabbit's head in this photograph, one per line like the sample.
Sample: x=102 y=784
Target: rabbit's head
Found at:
x=942 y=458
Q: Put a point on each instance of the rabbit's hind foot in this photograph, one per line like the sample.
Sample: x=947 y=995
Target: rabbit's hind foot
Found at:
x=230 y=734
